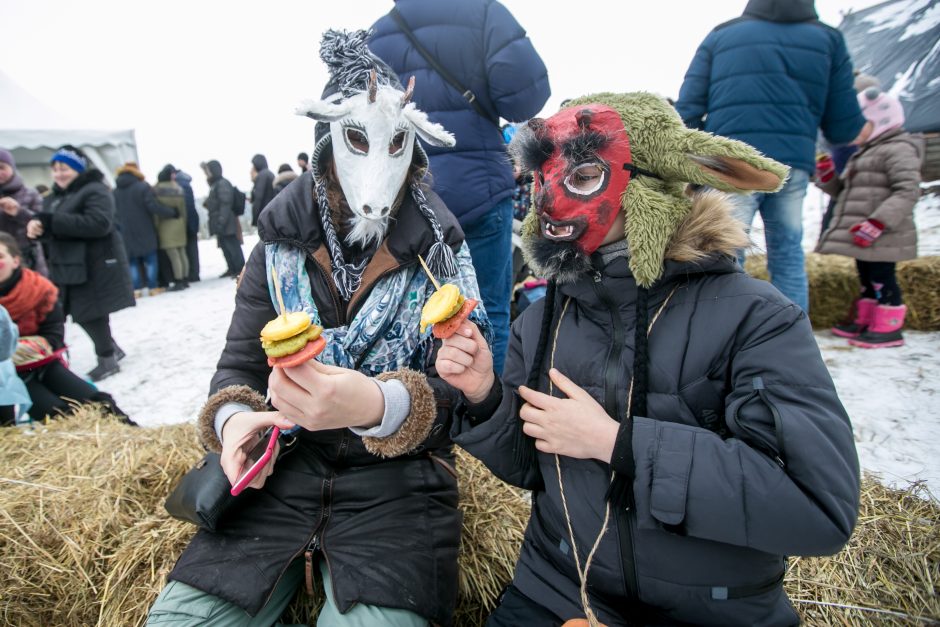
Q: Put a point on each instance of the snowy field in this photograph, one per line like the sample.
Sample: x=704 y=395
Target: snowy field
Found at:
x=174 y=340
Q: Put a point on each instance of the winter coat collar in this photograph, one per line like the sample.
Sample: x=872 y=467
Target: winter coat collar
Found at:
x=126 y=179
x=83 y=179
x=898 y=134
x=785 y=11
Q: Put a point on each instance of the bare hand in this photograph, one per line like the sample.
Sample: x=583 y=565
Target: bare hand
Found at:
x=320 y=397
x=33 y=229
x=239 y=435
x=465 y=361
x=576 y=426
x=9 y=206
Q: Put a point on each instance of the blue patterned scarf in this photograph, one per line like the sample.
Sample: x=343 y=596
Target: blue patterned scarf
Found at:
x=384 y=335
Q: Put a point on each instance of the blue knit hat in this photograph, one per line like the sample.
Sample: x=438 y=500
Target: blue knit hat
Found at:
x=70 y=157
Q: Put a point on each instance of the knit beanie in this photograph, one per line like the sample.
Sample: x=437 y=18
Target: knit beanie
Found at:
x=882 y=109
x=7 y=157
x=72 y=157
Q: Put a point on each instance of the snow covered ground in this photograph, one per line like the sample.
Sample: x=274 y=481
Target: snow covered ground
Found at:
x=174 y=340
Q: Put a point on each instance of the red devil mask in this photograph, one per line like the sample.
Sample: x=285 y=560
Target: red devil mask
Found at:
x=585 y=166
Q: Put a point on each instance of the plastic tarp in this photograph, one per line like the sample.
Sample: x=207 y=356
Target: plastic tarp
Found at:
x=899 y=42
x=32 y=132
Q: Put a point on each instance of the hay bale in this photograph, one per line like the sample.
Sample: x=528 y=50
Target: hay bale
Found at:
x=84 y=539
x=833 y=286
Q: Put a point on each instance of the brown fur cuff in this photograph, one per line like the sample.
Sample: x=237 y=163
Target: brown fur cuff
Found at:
x=205 y=422
x=417 y=425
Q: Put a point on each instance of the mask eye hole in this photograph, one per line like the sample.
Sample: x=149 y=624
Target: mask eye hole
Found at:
x=397 y=144
x=586 y=179
x=356 y=140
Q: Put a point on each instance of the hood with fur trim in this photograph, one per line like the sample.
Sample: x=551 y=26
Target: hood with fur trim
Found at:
x=659 y=218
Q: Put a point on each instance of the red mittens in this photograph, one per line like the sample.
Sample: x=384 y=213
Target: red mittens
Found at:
x=867 y=232
x=825 y=168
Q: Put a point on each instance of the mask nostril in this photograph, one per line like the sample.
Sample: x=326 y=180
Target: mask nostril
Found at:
x=367 y=209
x=384 y=211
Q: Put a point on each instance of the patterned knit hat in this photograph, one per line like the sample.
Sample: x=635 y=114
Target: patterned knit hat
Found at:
x=354 y=70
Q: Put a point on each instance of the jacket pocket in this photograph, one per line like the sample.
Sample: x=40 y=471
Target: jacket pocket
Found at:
x=749 y=413
x=671 y=468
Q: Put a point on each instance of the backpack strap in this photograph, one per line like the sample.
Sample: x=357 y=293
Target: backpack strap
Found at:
x=447 y=76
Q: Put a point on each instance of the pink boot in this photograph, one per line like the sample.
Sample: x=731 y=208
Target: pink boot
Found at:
x=864 y=310
x=885 y=329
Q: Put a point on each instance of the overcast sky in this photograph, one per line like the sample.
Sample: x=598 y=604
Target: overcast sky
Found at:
x=208 y=79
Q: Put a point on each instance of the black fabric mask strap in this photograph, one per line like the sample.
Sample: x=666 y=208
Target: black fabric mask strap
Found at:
x=635 y=170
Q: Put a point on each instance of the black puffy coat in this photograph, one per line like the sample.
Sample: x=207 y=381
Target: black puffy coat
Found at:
x=745 y=454
x=87 y=261
x=388 y=528
x=222 y=221
x=136 y=209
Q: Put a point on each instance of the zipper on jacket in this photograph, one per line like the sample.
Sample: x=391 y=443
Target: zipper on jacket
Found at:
x=334 y=295
x=612 y=371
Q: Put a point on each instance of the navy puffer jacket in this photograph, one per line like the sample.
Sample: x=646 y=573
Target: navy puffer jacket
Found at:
x=481 y=44
x=771 y=78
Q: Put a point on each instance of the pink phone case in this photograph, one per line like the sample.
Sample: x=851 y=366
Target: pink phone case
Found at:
x=255 y=468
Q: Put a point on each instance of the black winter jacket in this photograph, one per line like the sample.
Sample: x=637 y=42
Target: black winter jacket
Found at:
x=136 y=208
x=745 y=454
x=87 y=261
x=387 y=525
x=222 y=221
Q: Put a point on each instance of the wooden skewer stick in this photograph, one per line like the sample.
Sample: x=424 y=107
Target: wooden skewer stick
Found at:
x=277 y=292
x=437 y=285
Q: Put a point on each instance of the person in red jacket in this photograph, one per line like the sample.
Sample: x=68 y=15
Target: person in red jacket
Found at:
x=32 y=301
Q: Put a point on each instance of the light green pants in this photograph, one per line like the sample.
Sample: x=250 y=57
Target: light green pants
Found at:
x=180 y=605
x=179 y=262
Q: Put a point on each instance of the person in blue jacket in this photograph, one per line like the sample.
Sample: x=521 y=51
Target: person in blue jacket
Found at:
x=771 y=78
x=481 y=46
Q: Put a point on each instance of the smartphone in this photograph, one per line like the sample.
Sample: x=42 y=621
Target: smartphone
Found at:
x=258 y=456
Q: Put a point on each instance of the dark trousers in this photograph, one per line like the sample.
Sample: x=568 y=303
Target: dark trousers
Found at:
x=232 y=250
x=192 y=253
x=7 y=415
x=879 y=281
x=99 y=330
x=164 y=269
x=50 y=385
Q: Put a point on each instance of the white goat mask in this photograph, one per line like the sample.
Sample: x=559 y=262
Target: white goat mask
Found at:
x=372 y=134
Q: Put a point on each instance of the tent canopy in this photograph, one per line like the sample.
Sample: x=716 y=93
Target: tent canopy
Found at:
x=899 y=42
x=32 y=132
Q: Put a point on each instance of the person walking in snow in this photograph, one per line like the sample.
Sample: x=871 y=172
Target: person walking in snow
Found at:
x=364 y=497
x=171 y=232
x=137 y=211
x=262 y=191
x=87 y=259
x=184 y=180
x=873 y=218
x=223 y=222
x=671 y=415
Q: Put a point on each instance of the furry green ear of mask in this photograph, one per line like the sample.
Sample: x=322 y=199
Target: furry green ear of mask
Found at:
x=662 y=157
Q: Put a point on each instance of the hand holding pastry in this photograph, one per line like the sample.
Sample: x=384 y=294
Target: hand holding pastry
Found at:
x=465 y=362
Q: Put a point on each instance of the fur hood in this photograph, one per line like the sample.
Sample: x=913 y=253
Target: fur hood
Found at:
x=709 y=228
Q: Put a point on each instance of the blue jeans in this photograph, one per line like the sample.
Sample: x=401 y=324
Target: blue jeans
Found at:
x=490 y=243
x=782 y=214
x=150 y=265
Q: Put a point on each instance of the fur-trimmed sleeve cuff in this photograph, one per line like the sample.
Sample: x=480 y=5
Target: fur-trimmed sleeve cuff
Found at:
x=417 y=425
x=233 y=394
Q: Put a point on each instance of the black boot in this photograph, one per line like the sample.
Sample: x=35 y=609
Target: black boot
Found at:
x=119 y=354
x=108 y=401
x=105 y=368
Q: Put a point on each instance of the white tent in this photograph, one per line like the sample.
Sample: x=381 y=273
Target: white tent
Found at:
x=32 y=131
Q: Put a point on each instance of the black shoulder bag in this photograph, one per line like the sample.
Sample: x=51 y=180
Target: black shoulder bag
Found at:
x=447 y=76
x=202 y=495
